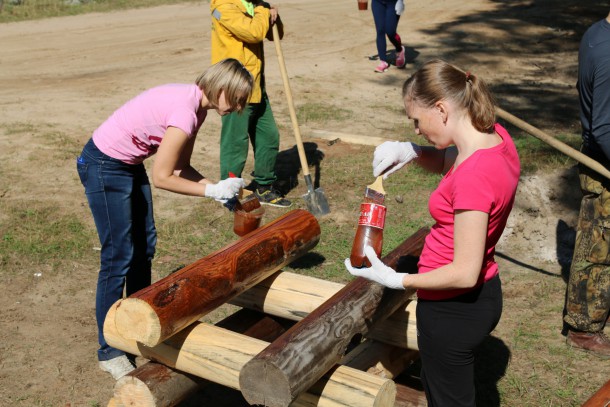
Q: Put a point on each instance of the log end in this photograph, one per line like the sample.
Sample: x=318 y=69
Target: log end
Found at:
x=386 y=395
x=135 y=319
x=130 y=391
x=262 y=383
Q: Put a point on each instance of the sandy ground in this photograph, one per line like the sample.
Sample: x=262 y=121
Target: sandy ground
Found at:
x=68 y=74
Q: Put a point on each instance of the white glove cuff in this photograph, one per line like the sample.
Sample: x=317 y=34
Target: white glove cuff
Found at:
x=211 y=190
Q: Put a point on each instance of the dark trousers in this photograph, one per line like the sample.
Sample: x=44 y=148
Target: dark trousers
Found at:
x=386 y=23
x=448 y=332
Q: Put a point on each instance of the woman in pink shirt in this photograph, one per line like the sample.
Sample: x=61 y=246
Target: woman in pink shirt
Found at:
x=458 y=287
x=164 y=121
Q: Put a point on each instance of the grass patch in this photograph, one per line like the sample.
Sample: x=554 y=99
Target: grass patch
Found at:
x=20 y=10
x=321 y=113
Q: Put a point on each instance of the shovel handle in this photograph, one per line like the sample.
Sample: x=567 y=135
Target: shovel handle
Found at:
x=293 y=114
x=553 y=142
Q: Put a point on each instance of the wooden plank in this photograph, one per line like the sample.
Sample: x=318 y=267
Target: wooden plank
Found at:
x=296 y=360
x=600 y=398
x=157 y=312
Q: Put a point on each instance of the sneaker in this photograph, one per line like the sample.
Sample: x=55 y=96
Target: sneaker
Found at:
x=400 y=58
x=117 y=367
x=268 y=196
x=382 y=67
x=595 y=342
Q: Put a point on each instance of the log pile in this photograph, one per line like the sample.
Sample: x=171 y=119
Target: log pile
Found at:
x=296 y=341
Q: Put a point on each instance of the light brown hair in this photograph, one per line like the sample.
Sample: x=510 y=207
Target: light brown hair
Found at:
x=438 y=80
x=230 y=76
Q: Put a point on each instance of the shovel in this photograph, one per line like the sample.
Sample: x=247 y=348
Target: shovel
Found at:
x=315 y=199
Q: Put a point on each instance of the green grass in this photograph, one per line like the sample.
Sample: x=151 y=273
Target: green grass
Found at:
x=37 y=9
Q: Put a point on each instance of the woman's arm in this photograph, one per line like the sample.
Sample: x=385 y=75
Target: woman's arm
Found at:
x=470 y=235
x=436 y=161
x=172 y=170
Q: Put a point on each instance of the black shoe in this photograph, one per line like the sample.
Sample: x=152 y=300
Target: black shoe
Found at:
x=269 y=196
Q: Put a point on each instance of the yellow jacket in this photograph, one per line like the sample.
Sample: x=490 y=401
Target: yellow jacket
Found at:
x=236 y=34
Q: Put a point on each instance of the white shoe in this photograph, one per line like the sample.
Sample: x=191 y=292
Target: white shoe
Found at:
x=117 y=367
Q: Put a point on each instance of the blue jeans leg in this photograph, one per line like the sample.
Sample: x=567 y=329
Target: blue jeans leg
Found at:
x=120 y=200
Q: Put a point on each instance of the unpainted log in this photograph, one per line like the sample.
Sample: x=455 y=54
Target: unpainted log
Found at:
x=293 y=296
x=218 y=355
x=157 y=312
x=156 y=385
x=296 y=360
x=379 y=358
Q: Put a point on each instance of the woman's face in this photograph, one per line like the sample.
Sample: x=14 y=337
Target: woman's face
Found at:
x=223 y=107
x=429 y=123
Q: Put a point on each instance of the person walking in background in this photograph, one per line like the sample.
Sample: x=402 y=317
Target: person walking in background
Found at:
x=588 y=290
x=386 y=14
x=238 y=30
x=164 y=121
x=458 y=286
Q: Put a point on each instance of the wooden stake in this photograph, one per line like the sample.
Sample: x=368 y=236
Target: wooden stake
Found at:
x=157 y=312
x=300 y=357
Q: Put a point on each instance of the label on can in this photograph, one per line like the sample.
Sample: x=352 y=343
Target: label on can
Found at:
x=372 y=215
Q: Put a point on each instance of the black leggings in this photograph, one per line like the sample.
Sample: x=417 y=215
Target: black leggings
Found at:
x=448 y=332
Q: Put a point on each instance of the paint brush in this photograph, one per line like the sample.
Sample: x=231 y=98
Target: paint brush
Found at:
x=375 y=193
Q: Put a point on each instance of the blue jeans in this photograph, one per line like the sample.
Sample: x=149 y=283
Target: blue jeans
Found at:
x=120 y=200
x=386 y=23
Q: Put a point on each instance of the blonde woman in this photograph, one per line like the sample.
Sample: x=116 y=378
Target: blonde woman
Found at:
x=162 y=121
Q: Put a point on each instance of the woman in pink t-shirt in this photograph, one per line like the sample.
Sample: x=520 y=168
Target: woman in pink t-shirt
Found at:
x=164 y=121
x=458 y=287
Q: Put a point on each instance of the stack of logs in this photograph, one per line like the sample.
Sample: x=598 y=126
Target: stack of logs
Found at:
x=296 y=341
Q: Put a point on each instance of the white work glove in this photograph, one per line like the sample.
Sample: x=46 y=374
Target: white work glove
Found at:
x=392 y=156
x=400 y=7
x=225 y=189
x=378 y=271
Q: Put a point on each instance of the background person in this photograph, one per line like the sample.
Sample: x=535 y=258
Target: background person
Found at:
x=588 y=290
x=458 y=286
x=386 y=14
x=164 y=121
x=238 y=30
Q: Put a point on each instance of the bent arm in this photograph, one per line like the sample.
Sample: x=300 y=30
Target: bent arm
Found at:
x=470 y=235
x=436 y=161
x=172 y=169
x=247 y=29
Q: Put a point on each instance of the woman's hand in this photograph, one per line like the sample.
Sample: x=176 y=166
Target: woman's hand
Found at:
x=392 y=156
x=225 y=189
x=378 y=271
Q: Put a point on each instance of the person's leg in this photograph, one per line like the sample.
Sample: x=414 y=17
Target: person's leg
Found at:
x=378 y=8
x=234 y=142
x=448 y=334
x=108 y=187
x=588 y=290
x=265 y=139
x=391 y=24
x=144 y=235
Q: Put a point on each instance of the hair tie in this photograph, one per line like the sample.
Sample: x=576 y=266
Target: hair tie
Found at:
x=467 y=76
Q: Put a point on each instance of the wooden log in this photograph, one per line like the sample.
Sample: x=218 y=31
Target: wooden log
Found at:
x=296 y=360
x=600 y=398
x=380 y=359
x=293 y=296
x=409 y=397
x=217 y=354
x=157 y=312
x=156 y=385
x=113 y=403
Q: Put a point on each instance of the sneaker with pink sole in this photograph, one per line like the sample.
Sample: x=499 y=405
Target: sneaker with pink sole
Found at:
x=400 y=58
x=382 y=67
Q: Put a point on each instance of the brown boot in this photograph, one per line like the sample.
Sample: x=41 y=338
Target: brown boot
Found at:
x=594 y=342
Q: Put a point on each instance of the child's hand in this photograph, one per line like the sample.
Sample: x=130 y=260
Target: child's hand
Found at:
x=225 y=189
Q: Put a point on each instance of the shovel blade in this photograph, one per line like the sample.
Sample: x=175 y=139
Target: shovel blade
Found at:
x=316 y=202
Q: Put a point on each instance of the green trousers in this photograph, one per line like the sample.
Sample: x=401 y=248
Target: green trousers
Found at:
x=588 y=291
x=254 y=125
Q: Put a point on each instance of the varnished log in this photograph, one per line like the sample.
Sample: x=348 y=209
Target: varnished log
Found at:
x=300 y=357
x=218 y=355
x=157 y=312
x=294 y=296
x=600 y=398
x=380 y=359
x=156 y=385
x=409 y=397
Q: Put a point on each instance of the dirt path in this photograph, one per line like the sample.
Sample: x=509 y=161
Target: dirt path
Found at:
x=66 y=75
